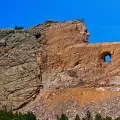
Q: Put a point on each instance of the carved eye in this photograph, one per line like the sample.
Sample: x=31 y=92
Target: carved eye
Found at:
x=85 y=30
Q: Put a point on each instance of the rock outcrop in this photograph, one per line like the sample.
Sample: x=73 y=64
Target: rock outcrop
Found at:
x=54 y=56
x=20 y=74
x=23 y=60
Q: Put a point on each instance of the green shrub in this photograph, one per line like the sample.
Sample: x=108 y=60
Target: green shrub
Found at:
x=18 y=27
x=107 y=118
x=118 y=118
x=77 y=117
x=63 y=117
x=16 y=116
x=88 y=117
x=58 y=117
x=9 y=115
x=98 y=117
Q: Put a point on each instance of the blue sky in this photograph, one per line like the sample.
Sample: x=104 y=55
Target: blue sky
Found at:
x=101 y=17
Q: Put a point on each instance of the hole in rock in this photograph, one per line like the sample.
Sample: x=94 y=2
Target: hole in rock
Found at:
x=106 y=57
x=37 y=35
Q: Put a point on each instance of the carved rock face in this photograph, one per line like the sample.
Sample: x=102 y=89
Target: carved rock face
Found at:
x=66 y=52
x=59 y=58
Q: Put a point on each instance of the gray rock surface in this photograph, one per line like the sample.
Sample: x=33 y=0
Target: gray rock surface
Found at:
x=19 y=70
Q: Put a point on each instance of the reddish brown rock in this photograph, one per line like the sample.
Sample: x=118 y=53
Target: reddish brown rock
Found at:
x=53 y=55
x=66 y=53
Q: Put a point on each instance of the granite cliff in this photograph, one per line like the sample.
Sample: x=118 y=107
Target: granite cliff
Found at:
x=42 y=64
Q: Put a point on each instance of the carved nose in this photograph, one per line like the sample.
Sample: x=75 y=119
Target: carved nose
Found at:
x=88 y=34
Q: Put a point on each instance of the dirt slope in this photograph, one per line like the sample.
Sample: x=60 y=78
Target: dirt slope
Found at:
x=72 y=101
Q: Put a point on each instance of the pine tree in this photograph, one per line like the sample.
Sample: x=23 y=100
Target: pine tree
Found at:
x=63 y=117
x=58 y=117
x=77 y=117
